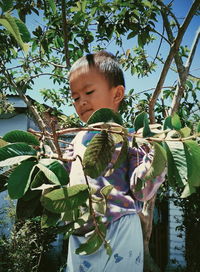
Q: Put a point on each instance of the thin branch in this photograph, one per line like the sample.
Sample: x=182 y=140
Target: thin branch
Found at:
x=172 y=52
x=32 y=109
x=65 y=34
x=193 y=50
x=44 y=74
x=161 y=35
x=180 y=87
x=158 y=50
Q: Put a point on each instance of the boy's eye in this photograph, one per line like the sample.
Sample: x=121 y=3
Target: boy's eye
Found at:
x=76 y=99
x=90 y=92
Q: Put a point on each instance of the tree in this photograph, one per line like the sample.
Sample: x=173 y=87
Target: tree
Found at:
x=71 y=28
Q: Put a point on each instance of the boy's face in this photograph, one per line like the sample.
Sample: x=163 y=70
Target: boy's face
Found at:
x=91 y=92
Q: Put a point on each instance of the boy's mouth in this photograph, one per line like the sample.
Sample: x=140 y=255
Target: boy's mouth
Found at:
x=85 y=111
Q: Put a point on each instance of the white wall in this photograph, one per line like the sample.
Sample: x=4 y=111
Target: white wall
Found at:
x=176 y=238
x=19 y=121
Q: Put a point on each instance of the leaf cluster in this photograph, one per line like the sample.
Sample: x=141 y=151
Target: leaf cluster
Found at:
x=44 y=188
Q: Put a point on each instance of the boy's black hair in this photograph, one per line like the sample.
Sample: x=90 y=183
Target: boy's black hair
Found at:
x=105 y=63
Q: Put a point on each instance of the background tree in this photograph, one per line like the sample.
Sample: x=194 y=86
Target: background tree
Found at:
x=69 y=29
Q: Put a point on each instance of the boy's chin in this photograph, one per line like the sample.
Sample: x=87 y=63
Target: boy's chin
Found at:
x=85 y=117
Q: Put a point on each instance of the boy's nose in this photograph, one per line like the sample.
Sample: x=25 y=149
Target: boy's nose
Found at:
x=83 y=102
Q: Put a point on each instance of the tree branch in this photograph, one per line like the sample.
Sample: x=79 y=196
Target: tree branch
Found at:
x=65 y=34
x=180 y=87
x=172 y=52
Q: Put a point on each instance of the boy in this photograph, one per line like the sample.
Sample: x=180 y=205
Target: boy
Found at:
x=96 y=82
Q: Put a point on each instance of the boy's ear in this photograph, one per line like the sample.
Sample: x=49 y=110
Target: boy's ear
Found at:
x=119 y=94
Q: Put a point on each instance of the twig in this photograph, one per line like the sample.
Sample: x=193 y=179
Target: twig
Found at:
x=65 y=34
x=173 y=50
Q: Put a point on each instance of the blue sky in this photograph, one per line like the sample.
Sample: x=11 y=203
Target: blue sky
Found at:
x=181 y=8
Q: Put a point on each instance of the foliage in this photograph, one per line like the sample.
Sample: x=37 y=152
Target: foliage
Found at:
x=24 y=249
x=71 y=29
x=46 y=181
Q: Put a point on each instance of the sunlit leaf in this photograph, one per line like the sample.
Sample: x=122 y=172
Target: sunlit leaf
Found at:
x=176 y=122
x=159 y=162
x=15 y=153
x=3 y=143
x=39 y=180
x=57 y=168
x=93 y=243
x=19 y=180
x=10 y=24
x=98 y=154
x=99 y=205
x=22 y=136
x=52 y=5
x=63 y=199
x=61 y=173
x=192 y=151
x=177 y=165
x=25 y=34
x=185 y=132
x=188 y=190
x=105 y=191
x=105 y=115
x=49 y=174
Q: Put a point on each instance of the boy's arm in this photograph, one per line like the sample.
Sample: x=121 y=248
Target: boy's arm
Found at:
x=139 y=163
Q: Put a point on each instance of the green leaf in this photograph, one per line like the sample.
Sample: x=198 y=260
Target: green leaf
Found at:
x=108 y=248
x=168 y=123
x=61 y=173
x=198 y=128
x=19 y=180
x=15 y=153
x=28 y=208
x=146 y=130
x=132 y=34
x=49 y=174
x=38 y=180
x=3 y=143
x=105 y=191
x=52 y=6
x=98 y=154
x=105 y=115
x=185 y=132
x=57 y=168
x=176 y=122
x=64 y=199
x=158 y=164
x=49 y=219
x=139 y=120
x=9 y=23
x=93 y=243
x=192 y=151
x=177 y=165
x=122 y=154
x=15 y=136
x=6 y=5
x=188 y=190
x=70 y=215
x=25 y=34
x=99 y=205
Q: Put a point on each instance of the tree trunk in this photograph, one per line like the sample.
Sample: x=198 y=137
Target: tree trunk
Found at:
x=146 y=217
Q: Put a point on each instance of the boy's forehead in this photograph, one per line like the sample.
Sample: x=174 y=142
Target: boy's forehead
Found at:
x=82 y=70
